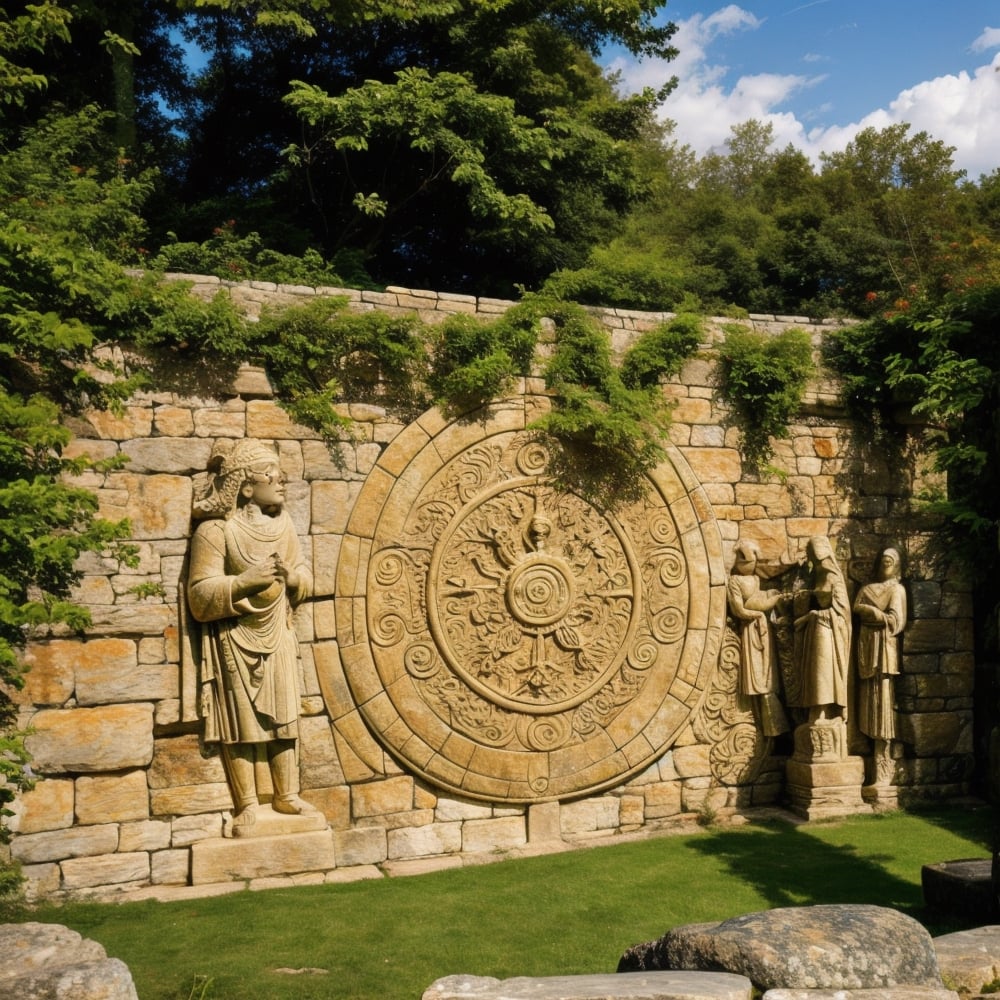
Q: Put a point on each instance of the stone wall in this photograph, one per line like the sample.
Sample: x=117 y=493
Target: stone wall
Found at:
x=131 y=799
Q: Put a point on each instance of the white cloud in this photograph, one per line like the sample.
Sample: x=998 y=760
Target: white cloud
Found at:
x=989 y=39
x=959 y=110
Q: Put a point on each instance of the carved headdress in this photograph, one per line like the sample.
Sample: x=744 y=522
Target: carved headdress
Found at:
x=229 y=467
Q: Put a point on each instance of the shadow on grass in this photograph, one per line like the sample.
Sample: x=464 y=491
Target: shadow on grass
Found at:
x=801 y=865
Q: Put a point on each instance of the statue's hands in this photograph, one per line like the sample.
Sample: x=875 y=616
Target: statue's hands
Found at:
x=257 y=578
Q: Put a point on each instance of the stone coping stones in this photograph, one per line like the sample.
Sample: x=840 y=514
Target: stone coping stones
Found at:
x=51 y=962
x=615 y=986
x=840 y=946
x=969 y=960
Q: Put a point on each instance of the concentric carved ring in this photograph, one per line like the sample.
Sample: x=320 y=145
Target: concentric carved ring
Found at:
x=508 y=639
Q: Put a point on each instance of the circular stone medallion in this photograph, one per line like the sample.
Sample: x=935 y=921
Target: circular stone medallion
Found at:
x=509 y=640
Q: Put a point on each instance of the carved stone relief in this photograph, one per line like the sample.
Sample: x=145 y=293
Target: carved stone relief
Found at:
x=510 y=640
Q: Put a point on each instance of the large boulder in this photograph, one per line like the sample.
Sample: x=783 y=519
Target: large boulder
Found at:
x=810 y=947
x=52 y=962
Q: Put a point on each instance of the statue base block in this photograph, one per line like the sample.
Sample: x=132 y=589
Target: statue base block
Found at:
x=268 y=823
x=882 y=798
x=223 y=859
x=820 y=789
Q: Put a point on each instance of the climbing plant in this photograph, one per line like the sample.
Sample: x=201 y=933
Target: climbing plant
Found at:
x=763 y=378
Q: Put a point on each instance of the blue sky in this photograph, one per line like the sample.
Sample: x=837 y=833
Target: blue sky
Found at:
x=820 y=70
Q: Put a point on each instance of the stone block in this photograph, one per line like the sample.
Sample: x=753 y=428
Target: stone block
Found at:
x=714 y=465
x=106 y=673
x=145 y=835
x=493 y=834
x=173 y=421
x=51 y=676
x=319 y=762
x=447 y=810
x=187 y=830
x=379 y=798
x=662 y=800
x=692 y=761
x=333 y=803
x=365 y=846
x=226 y=860
x=41 y=881
x=56 y=845
x=589 y=815
x=930 y=635
x=108 y=738
x=108 y=869
x=112 y=798
x=158 y=506
x=170 y=867
x=182 y=456
x=183 y=800
x=180 y=760
x=632 y=810
x=425 y=841
x=47 y=806
x=544 y=824
x=331 y=505
x=933 y=734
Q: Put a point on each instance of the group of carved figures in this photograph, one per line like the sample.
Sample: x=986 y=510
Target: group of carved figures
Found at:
x=798 y=643
x=246 y=573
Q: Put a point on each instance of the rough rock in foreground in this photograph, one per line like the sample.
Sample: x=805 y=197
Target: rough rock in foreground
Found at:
x=842 y=946
x=52 y=962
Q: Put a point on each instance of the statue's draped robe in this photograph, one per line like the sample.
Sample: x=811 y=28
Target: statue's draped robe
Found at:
x=249 y=654
x=878 y=657
x=823 y=646
x=758 y=674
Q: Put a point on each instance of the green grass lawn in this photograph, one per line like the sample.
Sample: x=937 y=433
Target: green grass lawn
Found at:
x=561 y=914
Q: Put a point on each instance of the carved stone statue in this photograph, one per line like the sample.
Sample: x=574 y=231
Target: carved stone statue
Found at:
x=246 y=574
x=758 y=670
x=823 y=637
x=881 y=610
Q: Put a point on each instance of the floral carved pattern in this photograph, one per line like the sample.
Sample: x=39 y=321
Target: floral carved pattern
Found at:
x=508 y=639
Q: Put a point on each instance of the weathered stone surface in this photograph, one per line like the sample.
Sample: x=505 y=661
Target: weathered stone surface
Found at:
x=51 y=962
x=112 y=798
x=258 y=857
x=80 y=841
x=839 y=946
x=48 y=806
x=630 y=986
x=108 y=738
x=423 y=841
x=884 y=993
x=502 y=833
x=181 y=761
x=105 y=869
x=969 y=960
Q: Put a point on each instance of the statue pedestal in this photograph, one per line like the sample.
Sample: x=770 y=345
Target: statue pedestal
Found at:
x=276 y=845
x=821 y=780
x=229 y=860
x=882 y=798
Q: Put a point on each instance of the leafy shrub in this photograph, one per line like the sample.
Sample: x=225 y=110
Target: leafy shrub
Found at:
x=618 y=276
x=661 y=351
x=763 y=379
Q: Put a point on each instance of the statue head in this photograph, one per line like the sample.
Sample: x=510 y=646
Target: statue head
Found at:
x=747 y=553
x=890 y=564
x=237 y=470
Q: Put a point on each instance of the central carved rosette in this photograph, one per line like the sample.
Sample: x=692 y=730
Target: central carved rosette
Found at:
x=520 y=643
x=532 y=597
